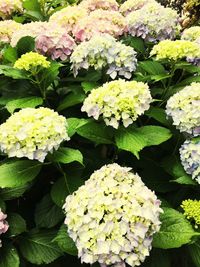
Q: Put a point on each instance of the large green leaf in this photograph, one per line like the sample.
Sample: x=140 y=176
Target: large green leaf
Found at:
x=13 y=73
x=24 y=102
x=9 y=257
x=38 y=248
x=14 y=173
x=17 y=224
x=47 y=214
x=15 y=192
x=158 y=114
x=72 y=99
x=25 y=44
x=158 y=258
x=65 y=242
x=135 y=139
x=49 y=75
x=98 y=133
x=152 y=67
x=67 y=155
x=175 y=230
x=194 y=251
x=74 y=124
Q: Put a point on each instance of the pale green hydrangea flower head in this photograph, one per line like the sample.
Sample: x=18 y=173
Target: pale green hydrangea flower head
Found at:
x=112 y=218
x=9 y=7
x=118 y=101
x=191 y=34
x=132 y=5
x=7 y=28
x=32 y=133
x=191 y=210
x=103 y=51
x=31 y=61
x=184 y=109
x=190 y=158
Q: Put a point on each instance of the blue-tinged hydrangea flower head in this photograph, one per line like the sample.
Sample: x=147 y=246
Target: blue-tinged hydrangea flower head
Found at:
x=184 y=109
x=112 y=218
x=190 y=158
x=153 y=22
x=118 y=101
x=32 y=133
x=103 y=51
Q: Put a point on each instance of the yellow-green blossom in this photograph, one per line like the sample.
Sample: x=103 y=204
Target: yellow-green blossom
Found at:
x=191 y=34
x=132 y=5
x=30 y=61
x=190 y=158
x=176 y=50
x=112 y=218
x=32 y=133
x=118 y=101
x=184 y=109
x=192 y=210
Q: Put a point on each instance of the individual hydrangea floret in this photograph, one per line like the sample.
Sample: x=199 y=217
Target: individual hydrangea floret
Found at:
x=133 y=5
x=177 y=50
x=68 y=17
x=153 y=23
x=112 y=218
x=9 y=7
x=55 y=42
x=104 y=51
x=32 y=29
x=31 y=61
x=98 y=22
x=92 y=5
x=118 y=101
x=190 y=158
x=3 y=224
x=184 y=109
x=192 y=34
x=191 y=210
x=7 y=28
x=32 y=133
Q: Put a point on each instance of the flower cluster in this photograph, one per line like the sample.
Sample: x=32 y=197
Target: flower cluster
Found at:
x=113 y=217
x=118 y=101
x=32 y=29
x=7 y=28
x=8 y=7
x=190 y=158
x=153 y=22
x=92 y=5
x=31 y=61
x=132 y=5
x=99 y=21
x=184 y=108
x=191 y=210
x=104 y=51
x=32 y=133
x=191 y=34
x=3 y=224
x=177 y=50
x=55 y=42
x=68 y=17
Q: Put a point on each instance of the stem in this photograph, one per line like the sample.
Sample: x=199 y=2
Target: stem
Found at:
x=64 y=175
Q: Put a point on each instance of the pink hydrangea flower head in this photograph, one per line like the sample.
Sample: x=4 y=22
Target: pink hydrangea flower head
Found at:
x=7 y=28
x=92 y=5
x=3 y=224
x=8 y=7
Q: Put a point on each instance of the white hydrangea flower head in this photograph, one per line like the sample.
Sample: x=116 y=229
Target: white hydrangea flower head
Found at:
x=7 y=28
x=103 y=51
x=32 y=133
x=3 y=224
x=118 y=101
x=9 y=7
x=133 y=5
x=91 y=5
x=190 y=158
x=184 y=109
x=153 y=22
x=191 y=34
x=112 y=217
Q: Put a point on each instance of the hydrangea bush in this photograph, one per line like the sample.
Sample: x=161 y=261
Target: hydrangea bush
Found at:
x=99 y=133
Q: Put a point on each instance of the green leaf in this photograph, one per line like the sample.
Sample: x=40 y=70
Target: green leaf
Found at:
x=47 y=214
x=74 y=124
x=33 y=5
x=88 y=86
x=37 y=247
x=135 y=139
x=65 y=242
x=135 y=42
x=158 y=114
x=67 y=155
x=50 y=74
x=25 y=44
x=14 y=173
x=71 y=99
x=15 y=192
x=194 y=251
x=187 y=66
x=25 y=102
x=13 y=73
x=2 y=205
x=175 y=230
x=152 y=67
x=158 y=258
x=17 y=224
x=10 y=54
x=189 y=80
x=98 y=133
x=9 y=257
